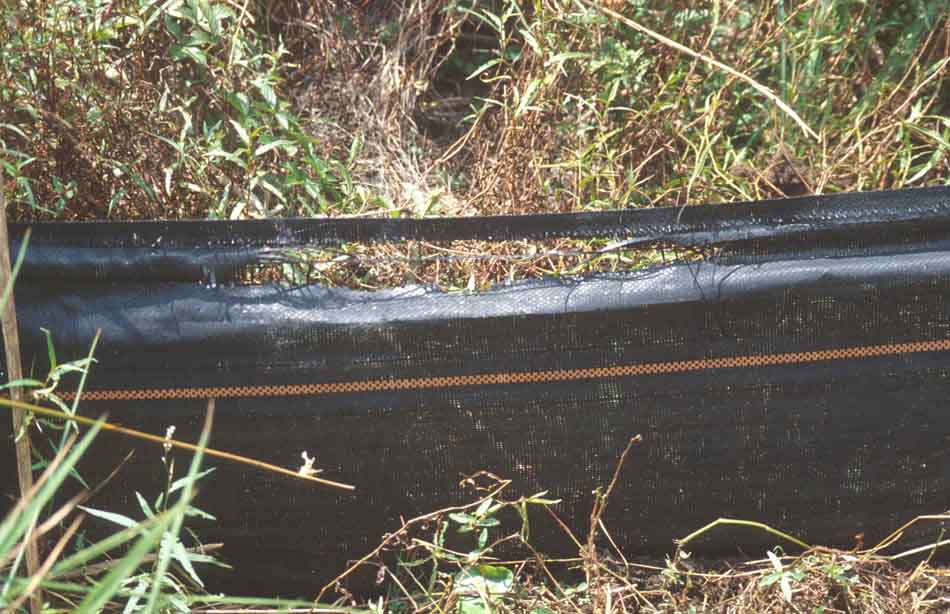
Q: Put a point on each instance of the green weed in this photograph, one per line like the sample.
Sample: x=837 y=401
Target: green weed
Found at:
x=144 y=109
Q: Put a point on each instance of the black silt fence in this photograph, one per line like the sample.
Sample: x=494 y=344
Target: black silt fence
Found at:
x=798 y=375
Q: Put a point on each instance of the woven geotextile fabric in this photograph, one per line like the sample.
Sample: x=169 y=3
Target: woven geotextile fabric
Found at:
x=794 y=371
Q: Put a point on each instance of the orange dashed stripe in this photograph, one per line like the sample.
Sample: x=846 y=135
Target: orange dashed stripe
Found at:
x=515 y=377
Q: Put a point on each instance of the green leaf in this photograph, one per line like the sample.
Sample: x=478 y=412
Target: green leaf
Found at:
x=104 y=590
x=283 y=120
x=532 y=41
x=100 y=548
x=23 y=383
x=200 y=38
x=145 y=187
x=773 y=558
x=483 y=68
x=194 y=512
x=183 y=558
x=356 y=148
x=15 y=525
x=560 y=58
x=211 y=16
x=483 y=507
x=266 y=91
x=282 y=143
x=143 y=504
x=231 y=156
x=119 y=519
x=181 y=482
x=82 y=378
x=273 y=189
x=786 y=587
x=473 y=605
x=232 y=601
x=187 y=52
x=73 y=366
x=241 y=132
x=488 y=18
x=17 y=130
x=178 y=515
x=936 y=137
x=170 y=24
x=135 y=596
x=490 y=580
x=125 y=21
x=240 y=102
x=50 y=350
x=462 y=518
x=540 y=499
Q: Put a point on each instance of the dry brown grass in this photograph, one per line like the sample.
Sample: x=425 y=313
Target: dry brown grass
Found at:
x=460 y=265
x=366 y=85
x=423 y=574
x=618 y=119
x=672 y=137
x=580 y=110
x=587 y=111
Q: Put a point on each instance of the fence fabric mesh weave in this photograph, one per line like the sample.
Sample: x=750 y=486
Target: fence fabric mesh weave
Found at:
x=797 y=375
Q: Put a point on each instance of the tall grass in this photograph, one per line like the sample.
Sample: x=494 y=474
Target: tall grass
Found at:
x=144 y=565
x=590 y=112
x=194 y=108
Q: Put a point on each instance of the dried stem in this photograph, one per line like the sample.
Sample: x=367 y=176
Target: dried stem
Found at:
x=11 y=346
x=106 y=426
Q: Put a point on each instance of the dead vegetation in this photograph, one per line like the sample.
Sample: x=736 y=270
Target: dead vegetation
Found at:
x=498 y=107
x=363 y=86
x=563 y=105
x=423 y=569
x=470 y=266
x=458 y=107
x=473 y=558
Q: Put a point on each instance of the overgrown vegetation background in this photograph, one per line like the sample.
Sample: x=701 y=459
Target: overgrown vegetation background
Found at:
x=131 y=109
x=233 y=109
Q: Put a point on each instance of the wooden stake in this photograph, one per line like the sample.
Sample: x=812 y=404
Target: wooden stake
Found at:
x=11 y=346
